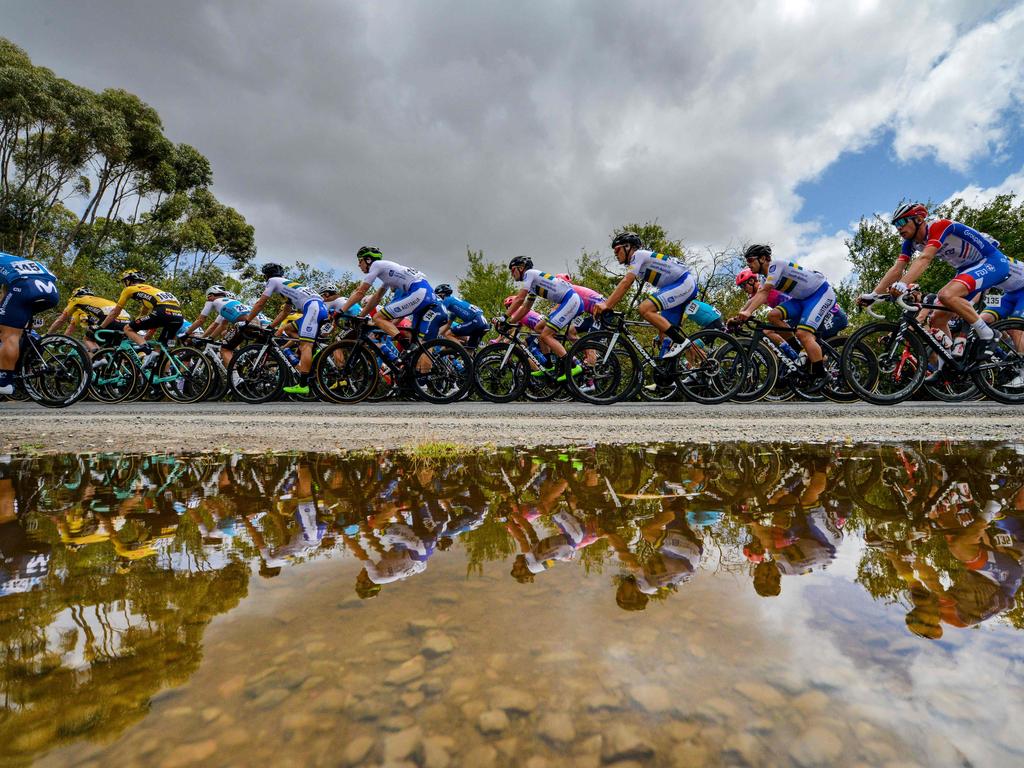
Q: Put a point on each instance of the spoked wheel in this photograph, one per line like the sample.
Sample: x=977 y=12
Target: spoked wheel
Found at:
x=606 y=375
x=114 y=375
x=194 y=375
x=883 y=365
x=500 y=372
x=346 y=371
x=762 y=373
x=1003 y=378
x=712 y=368
x=58 y=377
x=256 y=374
x=441 y=371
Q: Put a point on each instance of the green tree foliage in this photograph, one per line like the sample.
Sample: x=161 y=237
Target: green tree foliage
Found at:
x=485 y=284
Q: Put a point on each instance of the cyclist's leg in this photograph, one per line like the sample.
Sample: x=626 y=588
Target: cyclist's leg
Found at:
x=404 y=305
x=23 y=299
x=314 y=315
x=664 y=309
x=815 y=307
x=958 y=294
x=567 y=310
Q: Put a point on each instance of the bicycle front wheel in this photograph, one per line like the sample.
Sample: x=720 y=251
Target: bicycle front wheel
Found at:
x=496 y=379
x=883 y=365
x=607 y=375
x=256 y=375
x=59 y=375
x=1003 y=378
x=193 y=375
x=441 y=371
x=712 y=368
x=346 y=371
x=115 y=375
x=762 y=374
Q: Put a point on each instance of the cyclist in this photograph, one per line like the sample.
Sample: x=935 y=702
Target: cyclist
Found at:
x=229 y=312
x=472 y=324
x=85 y=307
x=314 y=315
x=28 y=289
x=674 y=283
x=163 y=311
x=334 y=301
x=568 y=306
x=413 y=296
x=979 y=263
x=811 y=298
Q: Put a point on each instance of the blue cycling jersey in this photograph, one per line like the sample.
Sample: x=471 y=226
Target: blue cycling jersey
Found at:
x=461 y=309
x=702 y=313
x=14 y=268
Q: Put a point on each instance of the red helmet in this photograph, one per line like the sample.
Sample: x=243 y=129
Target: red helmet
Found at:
x=509 y=300
x=563 y=276
x=744 y=275
x=909 y=210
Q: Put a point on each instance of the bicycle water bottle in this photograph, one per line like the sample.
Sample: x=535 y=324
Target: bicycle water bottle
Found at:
x=942 y=337
x=531 y=342
x=958 y=346
x=292 y=357
x=388 y=348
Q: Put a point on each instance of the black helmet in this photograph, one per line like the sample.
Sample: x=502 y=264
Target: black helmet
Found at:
x=370 y=252
x=272 y=270
x=83 y=291
x=627 y=238
x=521 y=261
x=757 y=251
x=443 y=290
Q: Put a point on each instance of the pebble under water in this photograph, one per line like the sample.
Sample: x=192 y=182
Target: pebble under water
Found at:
x=733 y=604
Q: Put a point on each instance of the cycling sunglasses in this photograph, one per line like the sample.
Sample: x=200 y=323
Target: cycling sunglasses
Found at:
x=900 y=222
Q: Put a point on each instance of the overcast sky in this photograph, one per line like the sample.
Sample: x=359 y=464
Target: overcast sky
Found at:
x=539 y=127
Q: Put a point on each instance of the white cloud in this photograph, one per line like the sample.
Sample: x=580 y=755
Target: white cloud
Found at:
x=975 y=195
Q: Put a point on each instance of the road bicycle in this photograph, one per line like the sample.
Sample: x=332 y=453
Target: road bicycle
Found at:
x=53 y=370
x=260 y=371
x=183 y=374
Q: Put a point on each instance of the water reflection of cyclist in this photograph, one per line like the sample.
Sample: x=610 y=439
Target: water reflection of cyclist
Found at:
x=810 y=541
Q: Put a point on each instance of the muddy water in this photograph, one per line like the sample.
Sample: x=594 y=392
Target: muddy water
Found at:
x=720 y=605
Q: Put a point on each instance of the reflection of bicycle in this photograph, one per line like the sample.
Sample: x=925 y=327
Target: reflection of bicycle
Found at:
x=899 y=353
x=711 y=368
x=53 y=370
x=182 y=374
x=347 y=371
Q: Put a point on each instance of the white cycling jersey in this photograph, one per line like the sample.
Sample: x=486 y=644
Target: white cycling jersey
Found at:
x=1015 y=282
x=656 y=268
x=545 y=285
x=793 y=280
x=297 y=293
x=393 y=275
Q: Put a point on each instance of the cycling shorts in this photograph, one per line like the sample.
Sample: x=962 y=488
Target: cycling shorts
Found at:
x=567 y=310
x=671 y=300
x=835 y=322
x=169 y=321
x=25 y=298
x=1009 y=305
x=429 y=318
x=314 y=315
x=419 y=296
x=987 y=273
x=472 y=330
x=809 y=313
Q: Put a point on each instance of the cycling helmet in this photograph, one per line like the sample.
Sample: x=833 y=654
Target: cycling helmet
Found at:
x=521 y=261
x=508 y=301
x=216 y=290
x=272 y=270
x=83 y=291
x=757 y=251
x=443 y=290
x=627 y=238
x=131 y=274
x=908 y=210
x=330 y=288
x=369 y=252
x=743 y=276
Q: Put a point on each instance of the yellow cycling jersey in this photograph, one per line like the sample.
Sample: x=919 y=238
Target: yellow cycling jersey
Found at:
x=150 y=297
x=92 y=310
x=293 y=320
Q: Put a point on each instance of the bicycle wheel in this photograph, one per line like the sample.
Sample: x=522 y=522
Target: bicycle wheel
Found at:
x=497 y=379
x=837 y=389
x=256 y=374
x=1002 y=379
x=441 y=371
x=59 y=375
x=952 y=387
x=713 y=368
x=762 y=374
x=816 y=391
x=606 y=375
x=346 y=371
x=194 y=375
x=115 y=375
x=657 y=386
x=883 y=365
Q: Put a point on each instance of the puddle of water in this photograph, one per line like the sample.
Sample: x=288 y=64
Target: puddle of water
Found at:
x=731 y=604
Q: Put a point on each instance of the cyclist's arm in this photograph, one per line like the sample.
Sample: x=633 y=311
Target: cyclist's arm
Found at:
x=285 y=311
x=58 y=322
x=759 y=298
x=215 y=326
x=371 y=303
x=620 y=290
x=895 y=273
x=520 y=306
x=261 y=302
x=920 y=264
x=115 y=310
x=360 y=291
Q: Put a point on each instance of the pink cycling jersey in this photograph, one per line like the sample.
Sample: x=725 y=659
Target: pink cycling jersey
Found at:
x=530 y=319
x=589 y=295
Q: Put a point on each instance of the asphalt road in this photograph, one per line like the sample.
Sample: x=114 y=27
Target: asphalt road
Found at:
x=156 y=427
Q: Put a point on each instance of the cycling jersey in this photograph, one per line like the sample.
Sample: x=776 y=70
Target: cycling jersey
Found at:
x=589 y=295
x=702 y=313
x=231 y=310
x=958 y=244
x=93 y=310
x=151 y=298
x=792 y=279
x=461 y=309
x=656 y=268
x=393 y=275
x=298 y=294
x=334 y=306
x=1011 y=302
x=14 y=268
x=545 y=285
x=31 y=289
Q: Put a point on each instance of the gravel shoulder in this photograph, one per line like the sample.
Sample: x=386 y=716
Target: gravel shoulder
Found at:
x=168 y=427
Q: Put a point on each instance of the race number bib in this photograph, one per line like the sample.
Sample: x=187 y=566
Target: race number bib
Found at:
x=993 y=299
